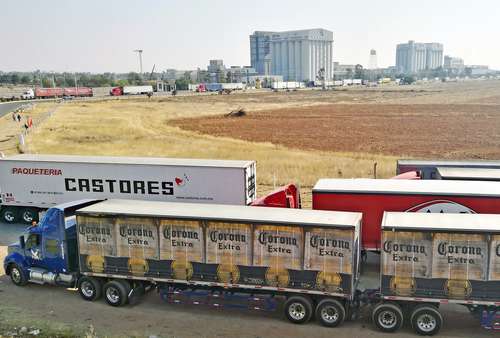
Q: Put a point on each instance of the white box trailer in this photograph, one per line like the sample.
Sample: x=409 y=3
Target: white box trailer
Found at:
x=287 y=85
x=233 y=86
x=136 y=90
x=468 y=174
x=428 y=168
x=31 y=183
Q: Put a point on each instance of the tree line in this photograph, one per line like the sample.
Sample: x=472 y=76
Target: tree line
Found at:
x=44 y=79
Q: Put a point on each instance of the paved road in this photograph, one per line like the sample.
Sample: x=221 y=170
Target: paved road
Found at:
x=8 y=107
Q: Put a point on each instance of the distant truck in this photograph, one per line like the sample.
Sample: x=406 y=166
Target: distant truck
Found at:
x=131 y=90
x=32 y=183
x=47 y=93
x=428 y=169
x=233 y=86
x=213 y=87
x=374 y=196
x=287 y=85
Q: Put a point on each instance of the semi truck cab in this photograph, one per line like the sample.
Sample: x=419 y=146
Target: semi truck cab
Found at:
x=47 y=252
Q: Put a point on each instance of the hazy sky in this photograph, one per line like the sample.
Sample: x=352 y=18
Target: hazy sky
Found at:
x=100 y=35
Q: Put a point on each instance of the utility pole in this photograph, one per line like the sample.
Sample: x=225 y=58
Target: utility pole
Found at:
x=139 y=52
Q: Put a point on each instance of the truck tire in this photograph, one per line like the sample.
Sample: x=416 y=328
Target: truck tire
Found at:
x=115 y=293
x=29 y=215
x=388 y=317
x=298 y=309
x=9 y=215
x=17 y=275
x=426 y=320
x=330 y=312
x=127 y=287
x=90 y=288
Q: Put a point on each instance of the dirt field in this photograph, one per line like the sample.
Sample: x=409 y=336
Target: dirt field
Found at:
x=423 y=130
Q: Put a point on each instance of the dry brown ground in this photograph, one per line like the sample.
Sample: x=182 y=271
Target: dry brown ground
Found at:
x=455 y=131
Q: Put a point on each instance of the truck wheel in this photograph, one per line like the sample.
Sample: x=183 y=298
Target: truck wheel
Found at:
x=9 y=215
x=126 y=286
x=90 y=288
x=426 y=320
x=298 y=309
x=29 y=215
x=17 y=275
x=330 y=312
x=388 y=317
x=115 y=293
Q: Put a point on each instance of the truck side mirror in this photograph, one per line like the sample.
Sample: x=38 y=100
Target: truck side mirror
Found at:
x=22 y=242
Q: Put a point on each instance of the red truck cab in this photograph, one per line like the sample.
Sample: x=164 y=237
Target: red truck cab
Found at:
x=116 y=91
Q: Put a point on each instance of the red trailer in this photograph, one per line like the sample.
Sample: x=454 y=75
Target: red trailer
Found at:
x=373 y=197
x=46 y=93
x=78 y=91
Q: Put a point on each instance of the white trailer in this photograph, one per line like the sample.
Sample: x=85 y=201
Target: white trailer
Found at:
x=233 y=86
x=287 y=85
x=428 y=169
x=32 y=183
x=137 y=90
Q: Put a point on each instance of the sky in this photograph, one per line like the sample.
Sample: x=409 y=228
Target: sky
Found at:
x=101 y=35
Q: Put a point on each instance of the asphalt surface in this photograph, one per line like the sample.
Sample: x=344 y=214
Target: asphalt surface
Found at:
x=8 y=107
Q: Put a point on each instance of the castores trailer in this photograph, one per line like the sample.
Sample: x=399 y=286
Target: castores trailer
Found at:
x=433 y=259
x=427 y=169
x=374 y=196
x=117 y=248
x=32 y=183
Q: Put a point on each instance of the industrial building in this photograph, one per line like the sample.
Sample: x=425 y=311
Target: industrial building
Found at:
x=413 y=57
x=453 y=64
x=296 y=55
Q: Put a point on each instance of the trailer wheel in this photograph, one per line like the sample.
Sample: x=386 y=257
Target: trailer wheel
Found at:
x=426 y=320
x=330 y=312
x=9 y=215
x=17 y=275
x=388 y=317
x=127 y=287
x=29 y=215
x=115 y=293
x=90 y=288
x=298 y=309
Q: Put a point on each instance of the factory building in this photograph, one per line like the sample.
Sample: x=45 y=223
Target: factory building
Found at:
x=413 y=57
x=295 y=55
